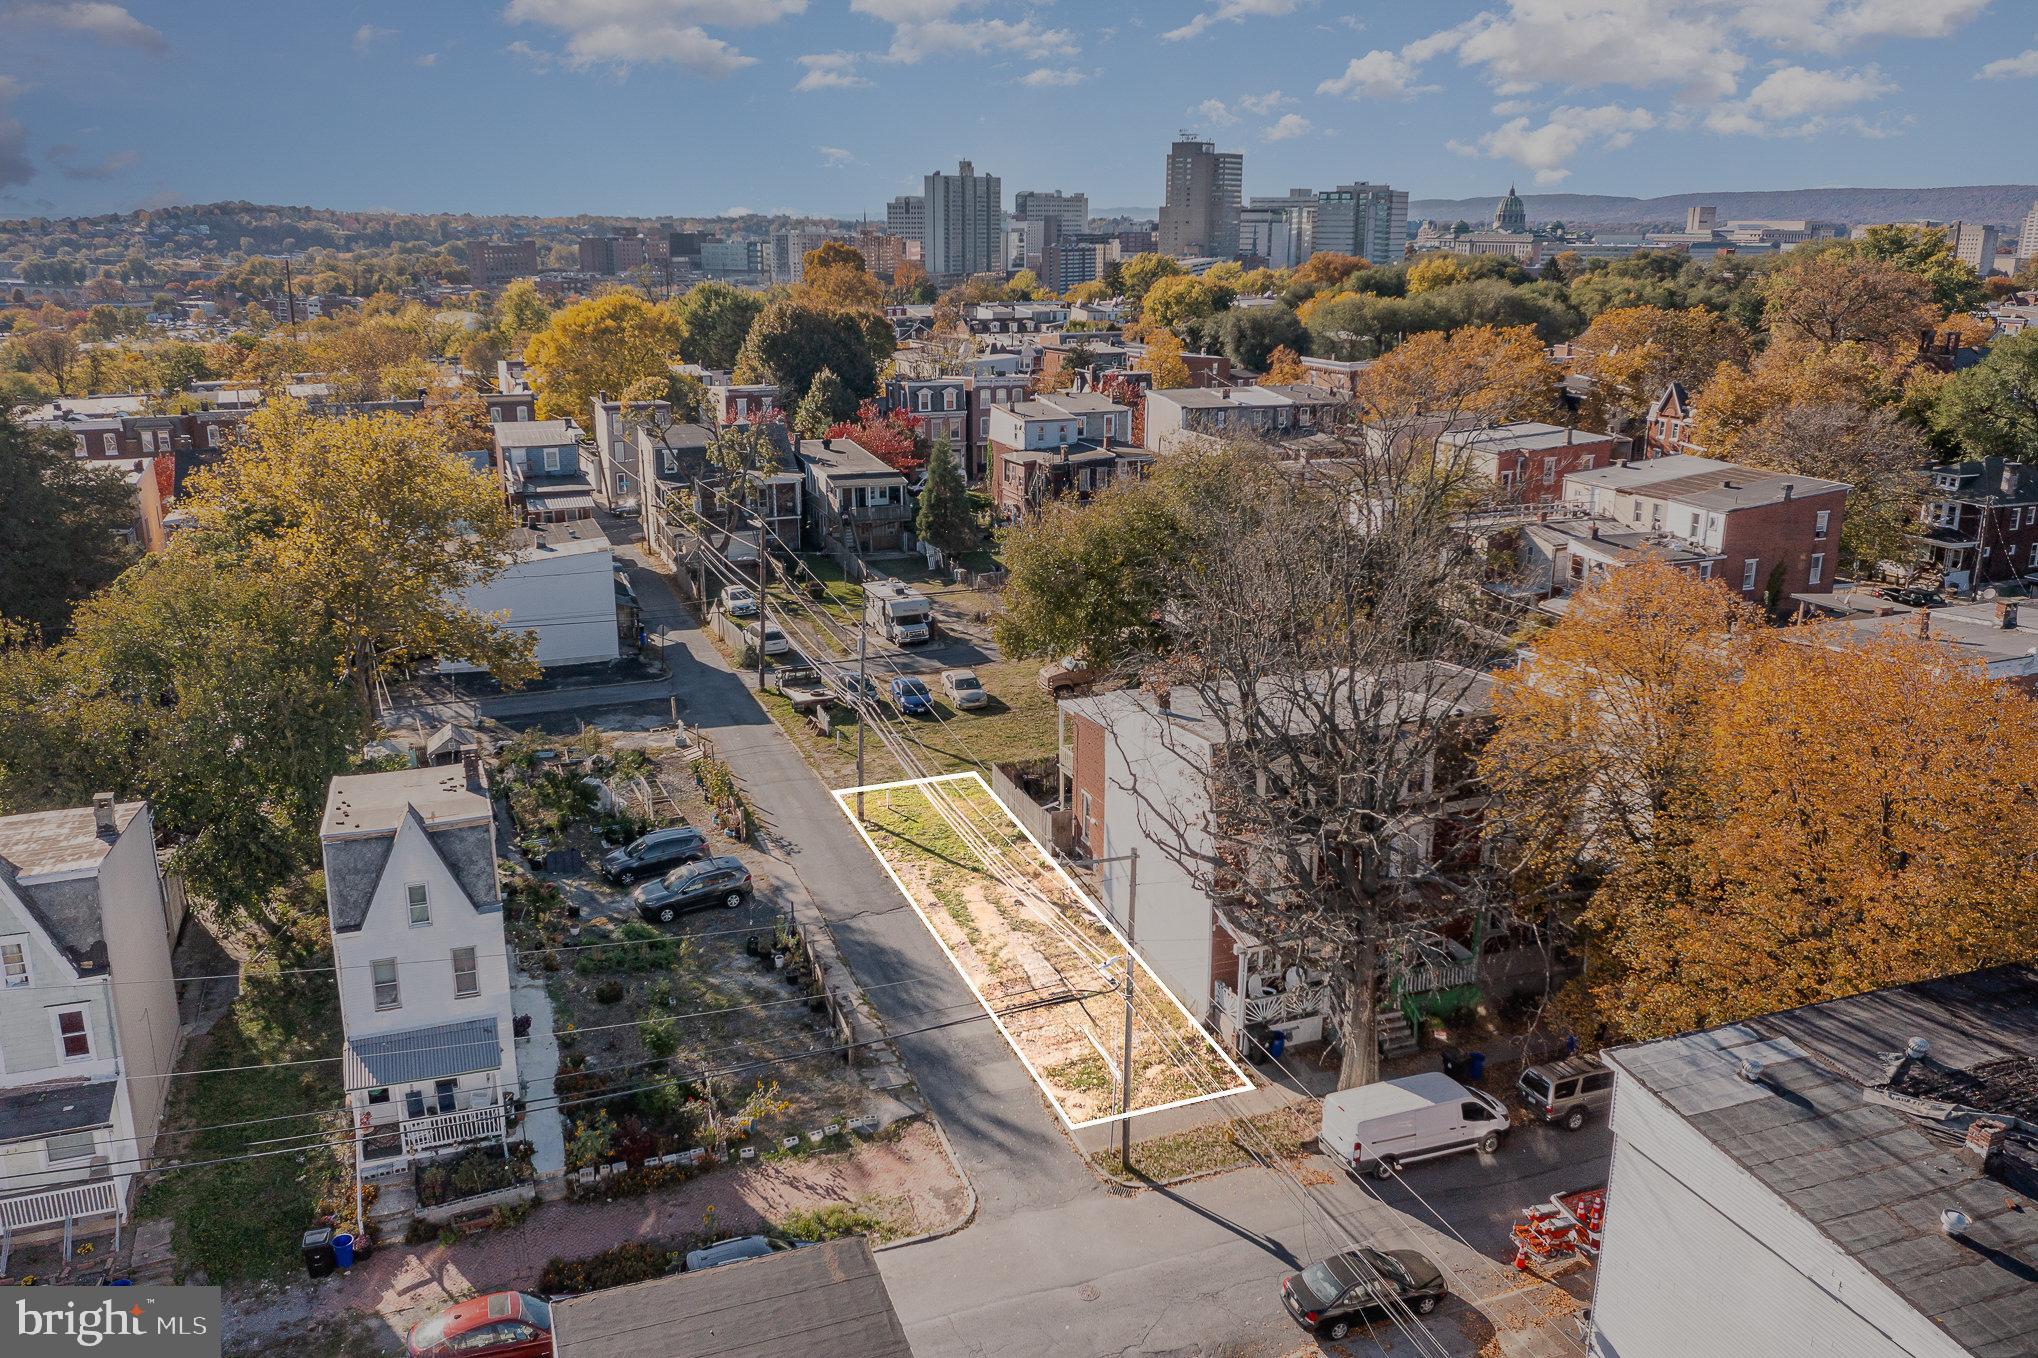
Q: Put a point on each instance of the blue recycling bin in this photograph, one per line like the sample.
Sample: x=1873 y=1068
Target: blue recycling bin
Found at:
x=1475 y=1068
x=1276 y=1045
x=343 y=1250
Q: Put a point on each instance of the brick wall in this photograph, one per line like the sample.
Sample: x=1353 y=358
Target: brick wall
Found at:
x=1088 y=779
x=1782 y=532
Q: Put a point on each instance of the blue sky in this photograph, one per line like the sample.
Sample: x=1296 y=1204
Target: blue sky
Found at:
x=833 y=106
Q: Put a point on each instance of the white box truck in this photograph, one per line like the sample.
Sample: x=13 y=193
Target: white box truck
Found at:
x=1377 y=1128
x=902 y=616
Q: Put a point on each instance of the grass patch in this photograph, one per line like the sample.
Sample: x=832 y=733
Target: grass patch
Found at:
x=1087 y=1073
x=242 y=1220
x=829 y=1223
x=1214 y=1147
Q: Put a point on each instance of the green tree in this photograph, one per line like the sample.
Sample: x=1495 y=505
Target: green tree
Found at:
x=714 y=320
x=945 y=518
x=1926 y=252
x=1992 y=408
x=1090 y=578
x=826 y=403
x=791 y=344
x=1141 y=272
x=61 y=522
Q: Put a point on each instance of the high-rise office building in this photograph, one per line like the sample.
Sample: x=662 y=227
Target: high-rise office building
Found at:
x=965 y=232
x=1204 y=188
x=1973 y=245
x=1698 y=218
x=1367 y=220
x=906 y=217
x=1281 y=231
x=2027 y=239
x=1069 y=211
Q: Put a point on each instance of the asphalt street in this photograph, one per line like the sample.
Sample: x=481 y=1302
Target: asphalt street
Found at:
x=1054 y=1262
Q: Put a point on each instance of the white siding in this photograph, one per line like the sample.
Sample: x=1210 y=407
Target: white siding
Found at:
x=1701 y=1260
x=565 y=594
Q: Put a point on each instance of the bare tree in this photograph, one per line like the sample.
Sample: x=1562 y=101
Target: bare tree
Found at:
x=1324 y=674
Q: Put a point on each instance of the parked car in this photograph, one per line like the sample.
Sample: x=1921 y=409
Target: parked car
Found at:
x=1567 y=1092
x=853 y=687
x=1913 y=598
x=774 y=642
x=741 y=1248
x=739 y=602
x=499 y=1325
x=712 y=881
x=658 y=852
x=964 y=689
x=911 y=697
x=1069 y=677
x=1378 y=1128
x=1334 y=1296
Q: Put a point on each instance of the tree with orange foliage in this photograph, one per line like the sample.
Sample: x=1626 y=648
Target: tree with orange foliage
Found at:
x=1764 y=820
x=834 y=277
x=1830 y=296
x=1455 y=376
x=1284 y=365
x=1322 y=271
x=1632 y=353
x=1163 y=358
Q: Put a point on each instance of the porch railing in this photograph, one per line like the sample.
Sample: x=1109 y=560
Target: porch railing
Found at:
x=452 y=1129
x=1430 y=975
x=95 y=1197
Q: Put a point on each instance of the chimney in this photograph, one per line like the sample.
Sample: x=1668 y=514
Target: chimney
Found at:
x=1985 y=1137
x=102 y=814
x=1789 y=489
x=1921 y=621
x=470 y=764
x=2006 y=614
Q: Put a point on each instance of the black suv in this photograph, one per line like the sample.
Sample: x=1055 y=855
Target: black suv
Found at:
x=712 y=881
x=659 y=851
x=1334 y=1296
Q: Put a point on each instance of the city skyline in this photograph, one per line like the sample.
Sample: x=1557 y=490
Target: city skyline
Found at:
x=820 y=107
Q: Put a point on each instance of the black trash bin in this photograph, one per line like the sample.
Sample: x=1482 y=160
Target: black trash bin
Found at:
x=317 y=1249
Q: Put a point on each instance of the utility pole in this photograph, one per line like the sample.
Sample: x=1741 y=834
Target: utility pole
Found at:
x=862 y=702
x=763 y=561
x=1125 y=1067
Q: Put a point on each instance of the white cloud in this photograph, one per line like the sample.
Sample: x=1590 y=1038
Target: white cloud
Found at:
x=913 y=42
x=367 y=35
x=1214 y=112
x=1795 y=101
x=831 y=71
x=1263 y=104
x=835 y=158
x=906 y=11
x=1231 y=11
x=107 y=22
x=1290 y=125
x=625 y=33
x=427 y=59
x=1508 y=108
x=1379 y=74
x=1043 y=77
x=2009 y=68
x=1546 y=150
x=537 y=59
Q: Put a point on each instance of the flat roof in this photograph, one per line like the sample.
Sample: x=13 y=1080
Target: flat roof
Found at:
x=1970 y=630
x=845 y=459
x=1521 y=436
x=363 y=804
x=1704 y=481
x=1854 y=1137
x=535 y=433
x=51 y=1110
x=826 y=1299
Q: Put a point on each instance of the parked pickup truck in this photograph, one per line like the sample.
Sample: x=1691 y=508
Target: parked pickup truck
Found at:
x=804 y=688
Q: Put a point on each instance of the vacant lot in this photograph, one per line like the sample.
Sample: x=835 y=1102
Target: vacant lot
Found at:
x=1039 y=956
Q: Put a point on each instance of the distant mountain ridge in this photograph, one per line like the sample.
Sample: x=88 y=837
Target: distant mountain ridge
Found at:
x=1997 y=204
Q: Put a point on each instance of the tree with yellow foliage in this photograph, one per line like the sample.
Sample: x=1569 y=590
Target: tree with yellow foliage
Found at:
x=1631 y=353
x=374 y=524
x=1163 y=358
x=1829 y=296
x=604 y=344
x=1284 y=365
x=1436 y=271
x=1324 y=270
x=1765 y=820
x=1183 y=297
x=834 y=277
x=1474 y=373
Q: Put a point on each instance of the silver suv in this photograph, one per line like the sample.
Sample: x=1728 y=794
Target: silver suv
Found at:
x=1567 y=1092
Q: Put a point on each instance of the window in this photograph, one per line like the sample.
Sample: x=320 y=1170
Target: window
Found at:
x=1596 y=1083
x=60 y=1150
x=551 y=461
x=948 y=399
x=523 y=413
x=1748 y=568
x=465 y=979
x=1549 y=471
x=413 y=1104
x=420 y=905
x=444 y=1091
x=1476 y=1112
x=1819 y=524
x=13 y=964
x=74 y=1035
x=1694 y=526
x=926 y=399
x=383 y=972
x=1705 y=570
x=1818 y=568
x=378 y=1096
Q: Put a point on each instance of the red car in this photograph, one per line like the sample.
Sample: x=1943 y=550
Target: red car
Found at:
x=499 y=1325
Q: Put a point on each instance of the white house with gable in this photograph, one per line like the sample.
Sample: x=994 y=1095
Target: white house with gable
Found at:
x=423 y=966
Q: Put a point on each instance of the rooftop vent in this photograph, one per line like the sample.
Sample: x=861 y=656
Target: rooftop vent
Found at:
x=1918 y=1048
x=1751 y=1070
x=1954 y=1222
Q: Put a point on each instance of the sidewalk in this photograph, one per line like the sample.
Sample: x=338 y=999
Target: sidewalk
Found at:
x=538 y=1061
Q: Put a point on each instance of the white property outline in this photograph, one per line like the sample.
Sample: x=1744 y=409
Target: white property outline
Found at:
x=841 y=796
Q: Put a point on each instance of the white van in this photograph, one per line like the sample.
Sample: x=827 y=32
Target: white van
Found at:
x=1378 y=1127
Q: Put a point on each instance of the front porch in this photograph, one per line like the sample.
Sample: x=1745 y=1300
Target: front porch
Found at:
x=36 y=1216
x=420 y=1091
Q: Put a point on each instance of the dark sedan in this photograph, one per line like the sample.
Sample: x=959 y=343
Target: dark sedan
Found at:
x=712 y=881
x=1334 y=1296
x=658 y=852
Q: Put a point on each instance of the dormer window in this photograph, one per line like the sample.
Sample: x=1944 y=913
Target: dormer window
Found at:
x=13 y=964
x=420 y=905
